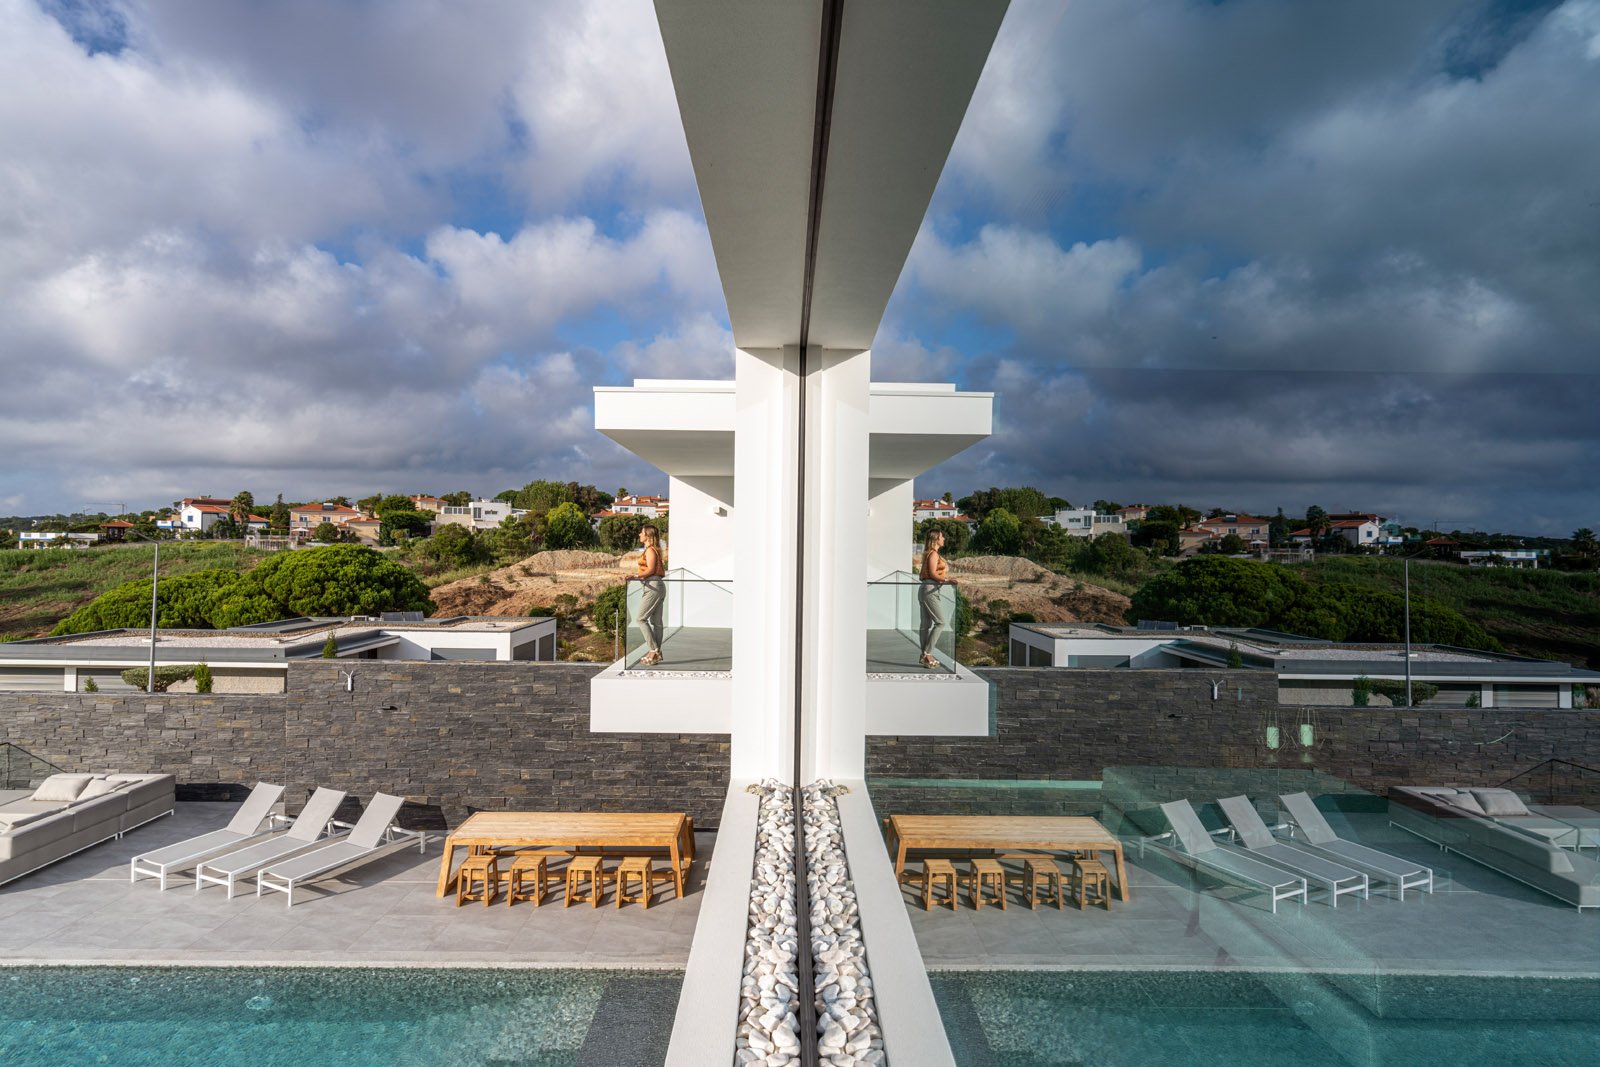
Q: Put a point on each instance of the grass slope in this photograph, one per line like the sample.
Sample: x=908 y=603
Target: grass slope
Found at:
x=1550 y=614
x=40 y=587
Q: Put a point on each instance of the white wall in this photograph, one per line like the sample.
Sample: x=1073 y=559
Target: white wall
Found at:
x=890 y=527
x=700 y=526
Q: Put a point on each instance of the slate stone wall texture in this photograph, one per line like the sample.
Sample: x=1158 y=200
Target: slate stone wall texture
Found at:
x=1071 y=724
x=467 y=735
x=457 y=735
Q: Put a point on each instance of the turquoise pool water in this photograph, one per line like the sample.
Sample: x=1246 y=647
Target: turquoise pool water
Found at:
x=1145 y=1018
x=252 y=1017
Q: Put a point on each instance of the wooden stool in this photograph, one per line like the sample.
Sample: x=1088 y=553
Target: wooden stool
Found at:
x=534 y=865
x=1089 y=876
x=580 y=867
x=479 y=867
x=1037 y=869
x=638 y=867
x=938 y=871
x=988 y=870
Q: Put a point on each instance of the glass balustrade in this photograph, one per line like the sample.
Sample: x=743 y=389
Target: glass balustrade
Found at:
x=900 y=624
x=685 y=617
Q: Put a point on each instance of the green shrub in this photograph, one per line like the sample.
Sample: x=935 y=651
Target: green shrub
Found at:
x=567 y=527
x=202 y=678
x=1421 y=692
x=1361 y=691
x=330 y=647
x=165 y=676
x=91 y=686
x=610 y=606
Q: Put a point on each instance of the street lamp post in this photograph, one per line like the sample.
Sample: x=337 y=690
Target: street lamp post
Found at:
x=155 y=575
x=1408 y=630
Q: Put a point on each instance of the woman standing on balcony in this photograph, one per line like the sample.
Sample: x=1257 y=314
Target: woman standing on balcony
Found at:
x=934 y=574
x=653 y=594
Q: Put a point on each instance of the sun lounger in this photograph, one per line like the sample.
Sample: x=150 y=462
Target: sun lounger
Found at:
x=303 y=835
x=1319 y=837
x=1252 y=832
x=373 y=835
x=1196 y=845
x=244 y=828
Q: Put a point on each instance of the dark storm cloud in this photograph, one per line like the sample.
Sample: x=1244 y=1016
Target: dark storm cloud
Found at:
x=1254 y=252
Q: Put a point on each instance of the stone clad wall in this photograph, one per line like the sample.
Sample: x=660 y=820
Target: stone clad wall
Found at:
x=463 y=735
x=459 y=735
x=1072 y=724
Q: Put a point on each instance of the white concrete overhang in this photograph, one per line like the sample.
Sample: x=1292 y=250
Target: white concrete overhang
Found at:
x=686 y=428
x=745 y=76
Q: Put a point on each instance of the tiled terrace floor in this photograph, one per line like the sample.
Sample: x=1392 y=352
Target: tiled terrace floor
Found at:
x=1476 y=921
x=84 y=909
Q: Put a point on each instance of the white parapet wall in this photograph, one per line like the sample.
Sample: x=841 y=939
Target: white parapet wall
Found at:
x=660 y=702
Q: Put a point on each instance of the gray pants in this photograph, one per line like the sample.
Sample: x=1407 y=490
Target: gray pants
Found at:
x=652 y=599
x=933 y=620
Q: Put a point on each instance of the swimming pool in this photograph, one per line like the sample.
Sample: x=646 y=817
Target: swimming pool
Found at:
x=333 y=1017
x=1110 y=1018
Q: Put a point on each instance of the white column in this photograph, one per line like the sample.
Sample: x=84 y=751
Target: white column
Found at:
x=766 y=463
x=834 y=656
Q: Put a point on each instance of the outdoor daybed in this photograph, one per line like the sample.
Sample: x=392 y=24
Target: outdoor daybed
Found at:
x=1493 y=827
x=67 y=813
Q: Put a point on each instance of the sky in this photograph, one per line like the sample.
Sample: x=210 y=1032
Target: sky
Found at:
x=1234 y=253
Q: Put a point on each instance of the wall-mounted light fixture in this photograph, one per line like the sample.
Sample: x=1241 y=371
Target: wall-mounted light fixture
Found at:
x=349 y=680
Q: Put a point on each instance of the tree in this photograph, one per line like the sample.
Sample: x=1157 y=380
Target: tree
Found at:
x=327 y=533
x=367 y=504
x=342 y=501
x=508 y=496
x=542 y=496
x=955 y=533
x=1278 y=530
x=336 y=580
x=226 y=528
x=1232 y=545
x=453 y=546
x=1110 y=554
x=999 y=534
x=393 y=502
x=202 y=678
x=330 y=647
x=1584 y=543
x=183 y=602
x=1024 y=502
x=459 y=499
x=243 y=506
x=619 y=533
x=1179 y=515
x=1316 y=521
x=610 y=608
x=567 y=527
x=1158 y=535
x=1106 y=507
x=279 y=519
x=517 y=537
x=403 y=521
x=589 y=499
x=1217 y=591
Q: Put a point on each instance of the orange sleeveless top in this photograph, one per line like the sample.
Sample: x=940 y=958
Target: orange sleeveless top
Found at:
x=934 y=568
x=650 y=563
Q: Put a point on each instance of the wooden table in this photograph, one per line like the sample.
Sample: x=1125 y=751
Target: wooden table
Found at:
x=572 y=829
x=1003 y=833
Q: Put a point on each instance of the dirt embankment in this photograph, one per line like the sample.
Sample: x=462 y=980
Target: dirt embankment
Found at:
x=1027 y=587
x=532 y=586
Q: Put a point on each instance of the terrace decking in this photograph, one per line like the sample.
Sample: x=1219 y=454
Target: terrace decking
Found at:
x=1476 y=922
x=385 y=914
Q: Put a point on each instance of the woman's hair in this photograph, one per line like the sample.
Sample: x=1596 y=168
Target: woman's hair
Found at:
x=652 y=535
x=927 y=541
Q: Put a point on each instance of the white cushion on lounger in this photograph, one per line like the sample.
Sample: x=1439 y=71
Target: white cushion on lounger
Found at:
x=1466 y=802
x=1500 y=802
x=62 y=787
x=99 y=787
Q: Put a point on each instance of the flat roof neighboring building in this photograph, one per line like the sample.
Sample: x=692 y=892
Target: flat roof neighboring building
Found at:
x=1310 y=670
x=253 y=659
